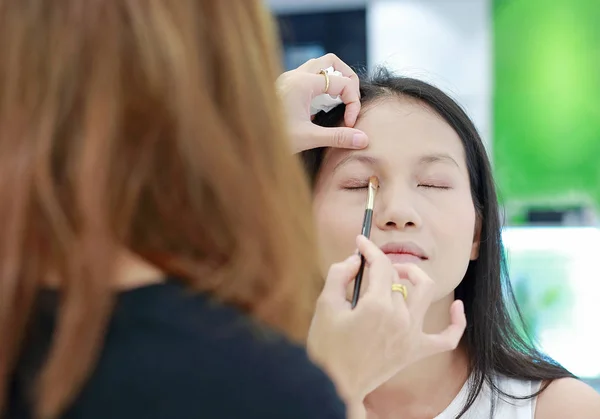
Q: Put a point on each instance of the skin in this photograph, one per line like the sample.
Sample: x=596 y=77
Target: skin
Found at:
x=424 y=197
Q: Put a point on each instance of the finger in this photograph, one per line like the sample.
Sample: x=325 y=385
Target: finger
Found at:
x=349 y=92
x=448 y=339
x=328 y=60
x=422 y=289
x=338 y=137
x=339 y=276
x=353 y=109
x=381 y=272
x=398 y=300
x=351 y=113
x=338 y=86
x=315 y=65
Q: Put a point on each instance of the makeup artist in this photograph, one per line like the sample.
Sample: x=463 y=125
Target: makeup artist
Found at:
x=157 y=256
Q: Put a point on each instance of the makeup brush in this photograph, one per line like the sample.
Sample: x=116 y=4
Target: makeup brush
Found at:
x=366 y=231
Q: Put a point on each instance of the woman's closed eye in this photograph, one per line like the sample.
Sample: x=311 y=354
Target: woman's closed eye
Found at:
x=436 y=181
x=432 y=185
x=424 y=185
x=356 y=187
x=355 y=184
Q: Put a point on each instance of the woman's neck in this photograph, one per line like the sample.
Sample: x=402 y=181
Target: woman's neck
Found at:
x=134 y=272
x=426 y=388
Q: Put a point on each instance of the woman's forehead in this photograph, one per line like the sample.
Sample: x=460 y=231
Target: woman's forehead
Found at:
x=401 y=130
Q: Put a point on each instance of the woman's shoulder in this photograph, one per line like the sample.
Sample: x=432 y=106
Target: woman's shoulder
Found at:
x=170 y=349
x=561 y=398
x=194 y=323
x=568 y=397
x=512 y=399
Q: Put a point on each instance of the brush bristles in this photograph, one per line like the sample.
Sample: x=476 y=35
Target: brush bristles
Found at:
x=373 y=185
x=374 y=180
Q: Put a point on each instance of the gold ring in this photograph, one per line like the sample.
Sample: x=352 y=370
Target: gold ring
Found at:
x=400 y=288
x=324 y=72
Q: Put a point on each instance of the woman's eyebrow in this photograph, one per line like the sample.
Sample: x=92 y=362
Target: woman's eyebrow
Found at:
x=362 y=158
x=437 y=158
x=376 y=162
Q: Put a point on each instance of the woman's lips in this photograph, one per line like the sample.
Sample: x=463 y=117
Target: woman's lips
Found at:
x=404 y=252
x=403 y=258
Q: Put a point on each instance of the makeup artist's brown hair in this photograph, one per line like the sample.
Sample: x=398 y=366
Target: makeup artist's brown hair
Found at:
x=152 y=126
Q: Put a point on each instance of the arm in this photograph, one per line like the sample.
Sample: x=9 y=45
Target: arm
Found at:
x=568 y=398
x=356 y=411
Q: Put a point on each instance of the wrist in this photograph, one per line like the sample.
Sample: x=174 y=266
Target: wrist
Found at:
x=347 y=390
x=356 y=410
x=346 y=387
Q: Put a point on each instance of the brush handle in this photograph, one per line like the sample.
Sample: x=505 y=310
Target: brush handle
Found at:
x=366 y=231
x=358 y=281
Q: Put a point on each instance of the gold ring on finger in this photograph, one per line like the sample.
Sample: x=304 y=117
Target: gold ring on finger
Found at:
x=324 y=73
x=400 y=288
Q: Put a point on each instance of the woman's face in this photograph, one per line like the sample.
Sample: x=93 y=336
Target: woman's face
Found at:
x=424 y=213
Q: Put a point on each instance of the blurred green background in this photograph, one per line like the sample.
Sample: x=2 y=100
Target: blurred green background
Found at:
x=547 y=100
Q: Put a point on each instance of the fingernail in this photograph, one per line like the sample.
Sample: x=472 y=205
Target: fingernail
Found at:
x=359 y=140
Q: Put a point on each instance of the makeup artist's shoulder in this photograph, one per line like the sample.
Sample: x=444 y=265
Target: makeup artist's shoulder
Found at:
x=291 y=386
x=568 y=398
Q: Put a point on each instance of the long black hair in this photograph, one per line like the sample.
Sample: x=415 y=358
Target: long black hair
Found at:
x=495 y=340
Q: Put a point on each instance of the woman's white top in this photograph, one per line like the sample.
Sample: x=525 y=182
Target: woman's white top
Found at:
x=504 y=407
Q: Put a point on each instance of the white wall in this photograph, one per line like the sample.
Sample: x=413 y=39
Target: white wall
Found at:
x=446 y=42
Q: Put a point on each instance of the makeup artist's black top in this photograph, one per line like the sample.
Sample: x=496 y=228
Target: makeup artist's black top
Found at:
x=170 y=355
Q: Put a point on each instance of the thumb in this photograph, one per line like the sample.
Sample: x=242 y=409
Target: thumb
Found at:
x=338 y=137
x=448 y=339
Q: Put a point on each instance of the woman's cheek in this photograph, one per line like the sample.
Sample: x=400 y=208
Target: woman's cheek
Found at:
x=337 y=226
